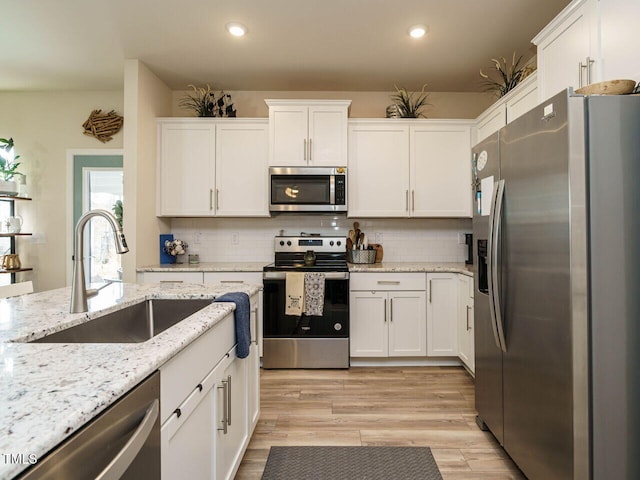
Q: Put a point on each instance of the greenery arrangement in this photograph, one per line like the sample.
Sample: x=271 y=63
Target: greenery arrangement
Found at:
x=8 y=165
x=207 y=103
x=117 y=211
x=410 y=104
x=508 y=75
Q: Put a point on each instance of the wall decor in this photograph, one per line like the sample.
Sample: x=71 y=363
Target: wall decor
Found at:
x=103 y=125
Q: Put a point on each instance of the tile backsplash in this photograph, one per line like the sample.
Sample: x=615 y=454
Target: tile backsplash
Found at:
x=251 y=239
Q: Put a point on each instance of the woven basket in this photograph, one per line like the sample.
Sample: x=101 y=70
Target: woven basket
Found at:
x=361 y=256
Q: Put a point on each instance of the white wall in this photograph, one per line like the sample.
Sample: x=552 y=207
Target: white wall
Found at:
x=146 y=97
x=404 y=240
x=44 y=125
x=363 y=104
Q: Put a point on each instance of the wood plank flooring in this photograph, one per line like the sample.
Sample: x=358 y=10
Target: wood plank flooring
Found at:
x=405 y=406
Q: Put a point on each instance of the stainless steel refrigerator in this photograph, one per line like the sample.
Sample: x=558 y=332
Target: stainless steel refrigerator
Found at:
x=557 y=288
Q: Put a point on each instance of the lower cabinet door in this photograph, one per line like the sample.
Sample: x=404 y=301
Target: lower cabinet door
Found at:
x=187 y=448
x=442 y=314
x=368 y=317
x=407 y=324
x=231 y=409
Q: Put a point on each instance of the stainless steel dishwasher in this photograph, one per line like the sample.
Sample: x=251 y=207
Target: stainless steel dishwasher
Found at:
x=122 y=443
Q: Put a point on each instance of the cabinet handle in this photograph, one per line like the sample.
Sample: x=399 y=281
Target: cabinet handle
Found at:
x=224 y=406
x=171 y=281
x=310 y=149
x=391 y=310
x=229 y=400
x=388 y=282
x=589 y=63
x=305 y=149
x=413 y=200
x=231 y=281
x=468 y=308
x=406 y=200
x=430 y=291
x=385 y=310
x=580 y=68
x=217 y=199
x=211 y=199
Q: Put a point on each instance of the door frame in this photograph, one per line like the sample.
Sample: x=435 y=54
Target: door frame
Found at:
x=71 y=153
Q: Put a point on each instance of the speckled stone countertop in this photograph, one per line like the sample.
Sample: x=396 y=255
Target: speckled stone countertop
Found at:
x=48 y=391
x=353 y=267
x=206 y=267
x=411 y=267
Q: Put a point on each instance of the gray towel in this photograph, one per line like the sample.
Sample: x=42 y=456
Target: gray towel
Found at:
x=242 y=317
x=314 y=293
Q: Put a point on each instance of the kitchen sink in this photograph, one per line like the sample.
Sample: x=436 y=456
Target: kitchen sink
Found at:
x=133 y=324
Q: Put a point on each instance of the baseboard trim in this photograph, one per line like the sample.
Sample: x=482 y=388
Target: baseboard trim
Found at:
x=405 y=362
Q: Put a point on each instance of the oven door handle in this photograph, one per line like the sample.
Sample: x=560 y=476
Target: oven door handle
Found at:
x=327 y=275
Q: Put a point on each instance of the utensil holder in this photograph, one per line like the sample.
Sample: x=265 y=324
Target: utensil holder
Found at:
x=361 y=256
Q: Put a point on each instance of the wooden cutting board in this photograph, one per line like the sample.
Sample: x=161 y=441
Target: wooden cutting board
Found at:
x=379 y=252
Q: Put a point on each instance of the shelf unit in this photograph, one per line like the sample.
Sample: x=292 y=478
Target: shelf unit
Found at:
x=12 y=236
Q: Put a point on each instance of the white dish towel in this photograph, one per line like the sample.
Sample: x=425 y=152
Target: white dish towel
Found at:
x=294 y=293
x=314 y=293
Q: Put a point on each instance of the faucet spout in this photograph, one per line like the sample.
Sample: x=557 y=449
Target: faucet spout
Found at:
x=79 y=287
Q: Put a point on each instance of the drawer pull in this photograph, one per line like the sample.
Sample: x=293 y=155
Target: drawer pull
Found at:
x=388 y=282
x=231 y=281
x=171 y=281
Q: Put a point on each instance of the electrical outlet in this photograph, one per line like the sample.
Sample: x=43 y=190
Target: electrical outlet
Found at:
x=235 y=238
x=38 y=238
x=197 y=237
x=378 y=237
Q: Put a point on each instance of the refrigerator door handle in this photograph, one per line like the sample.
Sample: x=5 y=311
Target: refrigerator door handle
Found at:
x=494 y=234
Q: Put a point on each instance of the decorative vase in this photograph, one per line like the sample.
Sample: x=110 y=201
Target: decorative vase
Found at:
x=8 y=187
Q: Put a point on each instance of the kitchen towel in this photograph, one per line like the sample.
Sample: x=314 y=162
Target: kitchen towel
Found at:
x=314 y=293
x=242 y=317
x=294 y=293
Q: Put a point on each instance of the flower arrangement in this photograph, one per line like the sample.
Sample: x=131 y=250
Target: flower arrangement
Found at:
x=8 y=164
x=206 y=103
x=175 y=247
x=409 y=104
x=509 y=76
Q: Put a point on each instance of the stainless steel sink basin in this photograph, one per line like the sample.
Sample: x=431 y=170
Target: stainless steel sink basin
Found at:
x=133 y=324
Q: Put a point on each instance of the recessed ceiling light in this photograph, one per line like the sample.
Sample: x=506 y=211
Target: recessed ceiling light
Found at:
x=236 y=29
x=417 y=31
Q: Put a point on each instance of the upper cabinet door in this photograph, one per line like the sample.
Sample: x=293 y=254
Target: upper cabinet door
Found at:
x=327 y=136
x=186 y=163
x=567 y=50
x=242 y=169
x=440 y=170
x=288 y=129
x=308 y=133
x=378 y=170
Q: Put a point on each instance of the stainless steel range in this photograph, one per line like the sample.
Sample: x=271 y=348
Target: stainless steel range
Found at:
x=307 y=341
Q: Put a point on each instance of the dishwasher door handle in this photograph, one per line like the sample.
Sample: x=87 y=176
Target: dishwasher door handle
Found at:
x=127 y=455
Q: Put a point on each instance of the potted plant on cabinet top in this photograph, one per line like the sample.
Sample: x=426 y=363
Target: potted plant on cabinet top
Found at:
x=8 y=167
x=509 y=76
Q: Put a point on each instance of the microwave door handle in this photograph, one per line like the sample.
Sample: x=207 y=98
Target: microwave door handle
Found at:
x=332 y=189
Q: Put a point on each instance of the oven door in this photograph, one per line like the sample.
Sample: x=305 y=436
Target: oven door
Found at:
x=334 y=323
x=306 y=190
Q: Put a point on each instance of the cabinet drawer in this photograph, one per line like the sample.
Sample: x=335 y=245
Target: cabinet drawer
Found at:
x=172 y=277
x=254 y=278
x=388 y=281
x=180 y=375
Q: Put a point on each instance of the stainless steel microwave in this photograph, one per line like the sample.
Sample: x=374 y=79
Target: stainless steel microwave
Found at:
x=308 y=189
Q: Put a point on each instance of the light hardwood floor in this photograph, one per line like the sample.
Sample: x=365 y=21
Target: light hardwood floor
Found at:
x=412 y=406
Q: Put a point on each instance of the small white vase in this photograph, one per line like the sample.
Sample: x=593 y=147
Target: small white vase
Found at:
x=8 y=187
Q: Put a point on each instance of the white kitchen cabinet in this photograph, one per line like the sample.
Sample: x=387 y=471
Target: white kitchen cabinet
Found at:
x=242 y=169
x=440 y=179
x=378 y=169
x=409 y=168
x=310 y=133
x=568 y=49
x=442 y=314
x=386 y=320
x=491 y=120
x=465 y=322
x=232 y=435
x=619 y=39
x=212 y=167
x=186 y=168
x=170 y=277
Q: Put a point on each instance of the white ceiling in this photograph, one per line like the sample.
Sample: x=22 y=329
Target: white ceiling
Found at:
x=340 y=45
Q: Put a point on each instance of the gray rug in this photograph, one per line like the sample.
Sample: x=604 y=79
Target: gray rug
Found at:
x=351 y=463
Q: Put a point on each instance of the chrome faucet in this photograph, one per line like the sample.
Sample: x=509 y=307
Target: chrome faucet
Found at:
x=79 y=293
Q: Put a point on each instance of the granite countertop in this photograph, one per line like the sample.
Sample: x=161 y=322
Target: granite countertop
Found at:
x=49 y=391
x=206 y=267
x=353 y=267
x=388 y=267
